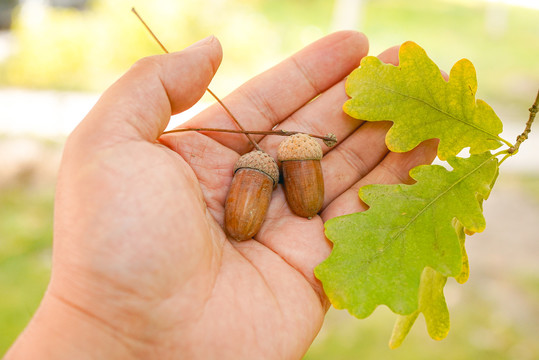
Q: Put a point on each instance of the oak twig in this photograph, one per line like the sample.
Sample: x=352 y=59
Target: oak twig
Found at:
x=522 y=137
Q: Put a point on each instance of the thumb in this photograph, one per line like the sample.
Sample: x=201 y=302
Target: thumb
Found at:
x=140 y=103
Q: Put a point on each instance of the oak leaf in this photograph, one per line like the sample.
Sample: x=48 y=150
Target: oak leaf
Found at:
x=422 y=105
x=379 y=254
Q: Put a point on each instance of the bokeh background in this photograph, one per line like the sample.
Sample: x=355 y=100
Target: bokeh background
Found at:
x=57 y=56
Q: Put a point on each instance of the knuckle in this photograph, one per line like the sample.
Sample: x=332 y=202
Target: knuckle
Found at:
x=147 y=64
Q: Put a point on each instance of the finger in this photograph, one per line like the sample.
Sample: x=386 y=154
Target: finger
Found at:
x=140 y=103
x=354 y=158
x=393 y=169
x=322 y=116
x=390 y=56
x=274 y=95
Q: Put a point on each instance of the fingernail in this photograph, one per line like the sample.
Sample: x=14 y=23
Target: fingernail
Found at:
x=202 y=42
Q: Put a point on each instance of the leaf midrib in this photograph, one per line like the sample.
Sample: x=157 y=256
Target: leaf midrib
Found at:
x=393 y=239
x=434 y=200
x=495 y=136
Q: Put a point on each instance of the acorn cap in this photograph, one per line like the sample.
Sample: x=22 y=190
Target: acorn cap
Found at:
x=299 y=147
x=261 y=161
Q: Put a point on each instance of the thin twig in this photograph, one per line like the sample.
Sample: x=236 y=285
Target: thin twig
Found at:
x=329 y=139
x=522 y=137
x=149 y=30
x=251 y=140
x=255 y=144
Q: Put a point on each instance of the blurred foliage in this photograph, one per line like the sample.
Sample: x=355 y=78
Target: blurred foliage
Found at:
x=87 y=50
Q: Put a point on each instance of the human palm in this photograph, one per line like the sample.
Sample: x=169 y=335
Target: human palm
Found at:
x=139 y=249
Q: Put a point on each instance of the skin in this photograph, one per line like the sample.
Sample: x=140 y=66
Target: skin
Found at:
x=141 y=265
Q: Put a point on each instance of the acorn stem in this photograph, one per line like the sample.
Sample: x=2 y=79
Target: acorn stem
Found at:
x=249 y=137
x=149 y=30
x=329 y=139
x=255 y=144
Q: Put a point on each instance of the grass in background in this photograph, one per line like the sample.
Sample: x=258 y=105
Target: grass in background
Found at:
x=478 y=331
x=25 y=256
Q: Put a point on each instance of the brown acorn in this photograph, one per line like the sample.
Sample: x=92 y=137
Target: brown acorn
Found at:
x=300 y=157
x=255 y=176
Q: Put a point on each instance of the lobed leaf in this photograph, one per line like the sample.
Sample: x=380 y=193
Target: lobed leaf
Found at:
x=422 y=105
x=379 y=255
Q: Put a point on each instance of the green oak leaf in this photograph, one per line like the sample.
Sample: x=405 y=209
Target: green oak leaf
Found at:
x=378 y=255
x=433 y=306
x=422 y=105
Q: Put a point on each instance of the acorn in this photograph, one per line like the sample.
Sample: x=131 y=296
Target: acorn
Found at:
x=300 y=157
x=256 y=174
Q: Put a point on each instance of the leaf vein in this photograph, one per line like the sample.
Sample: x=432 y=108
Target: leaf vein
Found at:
x=433 y=201
x=394 y=238
x=436 y=108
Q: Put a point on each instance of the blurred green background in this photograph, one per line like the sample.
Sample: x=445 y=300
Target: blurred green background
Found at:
x=57 y=56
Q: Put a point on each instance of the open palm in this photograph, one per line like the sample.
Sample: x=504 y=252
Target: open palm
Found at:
x=140 y=258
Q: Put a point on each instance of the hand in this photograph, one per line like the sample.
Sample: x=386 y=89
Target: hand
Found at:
x=141 y=265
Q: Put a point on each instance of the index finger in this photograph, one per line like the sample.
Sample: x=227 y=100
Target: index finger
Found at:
x=274 y=95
